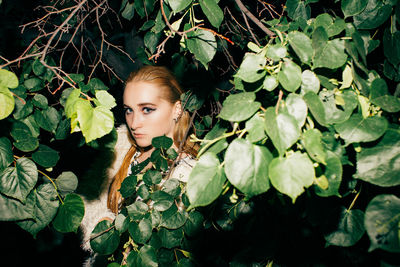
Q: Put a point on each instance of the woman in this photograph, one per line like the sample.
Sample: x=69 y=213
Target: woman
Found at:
x=152 y=108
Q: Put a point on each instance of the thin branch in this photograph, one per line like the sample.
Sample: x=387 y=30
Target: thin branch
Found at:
x=254 y=19
x=251 y=32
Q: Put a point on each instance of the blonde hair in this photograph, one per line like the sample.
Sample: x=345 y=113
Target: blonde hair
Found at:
x=171 y=91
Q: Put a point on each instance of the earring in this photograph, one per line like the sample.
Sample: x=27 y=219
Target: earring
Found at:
x=175 y=120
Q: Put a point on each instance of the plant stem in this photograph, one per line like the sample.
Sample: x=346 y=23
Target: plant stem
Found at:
x=54 y=184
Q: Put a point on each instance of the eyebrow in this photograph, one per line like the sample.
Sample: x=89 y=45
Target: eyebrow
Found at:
x=142 y=104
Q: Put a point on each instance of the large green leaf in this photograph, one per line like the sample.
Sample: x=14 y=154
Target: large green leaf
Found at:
x=353 y=7
x=312 y=142
x=170 y=238
x=137 y=210
x=380 y=96
x=350 y=229
x=302 y=45
x=105 y=99
x=70 y=214
x=45 y=156
x=202 y=45
x=94 y=122
x=282 y=128
x=162 y=200
x=327 y=53
x=359 y=129
x=391 y=48
x=7 y=102
x=205 y=181
x=252 y=67
x=379 y=164
x=285 y=175
x=212 y=11
x=140 y=232
x=18 y=181
x=297 y=9
x=246 y=167
x=297 y=107
x=8 y=79
x=147 y=257
x=290 y=75
x=382 y=219
x=66 y=182
x=104 y=238
x=255 y=128
x=309 y=82
x=276 y=52
x=13 y=210
x=373 y=15
x=173 y=218
x=239 y=107
x=22 y=135
x=44 y=204
x=47 y=119
x=179 y=5
x=6 y=153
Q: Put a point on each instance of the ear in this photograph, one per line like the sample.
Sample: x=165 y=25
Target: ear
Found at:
x=178 y=109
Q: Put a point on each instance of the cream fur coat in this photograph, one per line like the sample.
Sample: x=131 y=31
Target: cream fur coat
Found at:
x=96 y=209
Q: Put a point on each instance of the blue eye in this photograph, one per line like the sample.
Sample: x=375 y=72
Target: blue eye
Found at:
x=128 y=110
x=147 y=110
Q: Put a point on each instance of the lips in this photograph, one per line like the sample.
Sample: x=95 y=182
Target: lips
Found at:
x=138 y=135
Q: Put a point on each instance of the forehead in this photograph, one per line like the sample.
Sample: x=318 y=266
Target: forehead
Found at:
x=142 y=92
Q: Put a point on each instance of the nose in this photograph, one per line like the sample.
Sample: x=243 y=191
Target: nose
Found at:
x=135 y=121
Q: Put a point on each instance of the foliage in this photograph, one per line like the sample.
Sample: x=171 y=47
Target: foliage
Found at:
x=300 y=154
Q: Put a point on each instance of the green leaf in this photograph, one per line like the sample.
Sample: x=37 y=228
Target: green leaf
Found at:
x=170 y=238
x=162 y=142
x=309 y=82
x=202 y=45
x=374 y=14
x=104 y=238
x=333 y=174
x=94 y=122
x=7 y=102
x=47 y=119
x=129 y=11
x=382 y=218
x=353 y=7
x=18 y=181
x=75 y=78
x=312 y=141
x=22 y=110
x=350 y=229
x=13 y=210
x=239 y=107
x=96 y=84
x=285 y=175
x=40 y=101
x=359 y=129
x=252 y=67
x=38 y=68
x=255 y=128
x=179 y=5
x=290 y=75
x=152 y=177
x=6 y=153
x=151 y=40
x=137 y=210
x=390 y=47
x=205 y=181
x=246 y=167
x=194 y=223
x=212 y=11
x=70 y=214
x=24 y=140
x=162 y=200
x=147 y=257
x=172 y=187
x=66 y=182
x=121 y=223
x=8 y=79
x=297 y=107
x=173 y=218
x=282 y=129
x=297 y=9
x=276 y=52
x=327 y=54
x=302 y=45
x=44 y=204
x=34 y=84
x=128 y=186
x=105 y=99
x=270 y=83
x=380 y=96
x=46 y=156
x=140 y=232
x=378 y=165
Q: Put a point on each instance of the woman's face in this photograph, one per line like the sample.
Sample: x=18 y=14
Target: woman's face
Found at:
x=147 y=114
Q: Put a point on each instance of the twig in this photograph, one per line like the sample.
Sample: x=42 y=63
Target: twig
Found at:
x=248 y=27
x=254 y=19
